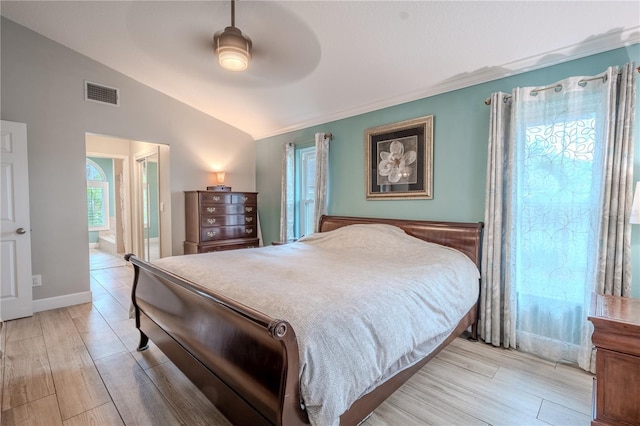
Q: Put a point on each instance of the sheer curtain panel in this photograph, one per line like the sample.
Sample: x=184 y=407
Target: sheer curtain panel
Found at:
x=559 y=185
x=287 y=198
x=322 y=178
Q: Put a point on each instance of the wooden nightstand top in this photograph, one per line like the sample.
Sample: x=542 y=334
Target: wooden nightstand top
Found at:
x=616 y=323
x=615 y=308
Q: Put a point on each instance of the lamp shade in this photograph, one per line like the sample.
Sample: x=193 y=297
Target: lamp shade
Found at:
x=635 y=207
x=220 y=177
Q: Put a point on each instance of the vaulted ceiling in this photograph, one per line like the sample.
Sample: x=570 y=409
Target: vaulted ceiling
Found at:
x=317 y=61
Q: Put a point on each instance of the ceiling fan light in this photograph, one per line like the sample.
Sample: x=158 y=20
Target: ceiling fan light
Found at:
x=233 y=49
x=232 y=59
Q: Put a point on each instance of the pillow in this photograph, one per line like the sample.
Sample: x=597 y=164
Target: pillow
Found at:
x=374 y=236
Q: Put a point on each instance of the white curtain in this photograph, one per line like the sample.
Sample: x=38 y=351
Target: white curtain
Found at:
x=614 y=265
x=495 y=325
x=287 y=198
x=559 y=185
x=614 y=246
x=322 y=178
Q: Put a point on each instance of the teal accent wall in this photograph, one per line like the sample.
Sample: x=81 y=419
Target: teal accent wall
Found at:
x=461 y=131
x=106 y=164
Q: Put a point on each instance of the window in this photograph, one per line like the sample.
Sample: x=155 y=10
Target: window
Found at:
x=305 y=189
x=556 y=202
x=97 y=197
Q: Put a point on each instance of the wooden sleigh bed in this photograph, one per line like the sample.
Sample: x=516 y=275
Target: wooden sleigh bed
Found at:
x=248 y=363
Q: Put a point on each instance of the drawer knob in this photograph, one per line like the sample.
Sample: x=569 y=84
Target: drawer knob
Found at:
x=216 y=198
x=249 y=209
x=248 y=219
x=248 y=231
x=211 y=220
x=244 y=198
x=211 y=234
x=211 y=209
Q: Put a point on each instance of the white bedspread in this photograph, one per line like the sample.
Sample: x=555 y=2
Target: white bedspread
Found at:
x=365 y=301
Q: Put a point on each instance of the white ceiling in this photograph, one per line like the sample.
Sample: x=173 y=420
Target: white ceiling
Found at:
x=317 y=61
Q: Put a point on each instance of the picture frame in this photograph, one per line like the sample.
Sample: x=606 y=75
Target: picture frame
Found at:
x=399 y=160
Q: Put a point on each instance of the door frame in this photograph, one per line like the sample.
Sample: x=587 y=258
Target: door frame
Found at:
x=137 y=211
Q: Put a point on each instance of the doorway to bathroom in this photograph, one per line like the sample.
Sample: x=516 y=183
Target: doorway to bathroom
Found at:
x=128 y=200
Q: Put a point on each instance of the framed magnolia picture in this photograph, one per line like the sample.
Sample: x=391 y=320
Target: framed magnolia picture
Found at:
x=400 y=160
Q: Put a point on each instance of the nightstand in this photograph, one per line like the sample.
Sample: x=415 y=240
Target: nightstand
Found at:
x=616 y=336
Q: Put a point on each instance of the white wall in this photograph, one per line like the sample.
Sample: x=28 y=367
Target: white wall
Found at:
x=42 y=85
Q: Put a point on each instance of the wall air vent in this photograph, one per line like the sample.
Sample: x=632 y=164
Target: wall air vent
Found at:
x=99 y=93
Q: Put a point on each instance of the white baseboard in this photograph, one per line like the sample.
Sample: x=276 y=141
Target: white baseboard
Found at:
x=40 y=305
x=94 y=245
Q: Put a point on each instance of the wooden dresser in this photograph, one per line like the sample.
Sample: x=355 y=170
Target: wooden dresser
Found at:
x=220 y=221
x=616 y=335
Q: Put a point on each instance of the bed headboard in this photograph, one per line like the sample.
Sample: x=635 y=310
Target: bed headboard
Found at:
x=463 y=236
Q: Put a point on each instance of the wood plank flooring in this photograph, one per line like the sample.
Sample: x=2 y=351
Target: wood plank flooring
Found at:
x=79 y=366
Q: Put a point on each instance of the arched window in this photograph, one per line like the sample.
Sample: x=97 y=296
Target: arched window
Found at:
x=97 y=197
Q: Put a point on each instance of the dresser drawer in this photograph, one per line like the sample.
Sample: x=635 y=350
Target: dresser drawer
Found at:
x=225 y=232
x=193 y=248
x=244 y=198
x=231 y=198
x=252 y=243
x=215 y=198
x=228 y=220
x=222 y=209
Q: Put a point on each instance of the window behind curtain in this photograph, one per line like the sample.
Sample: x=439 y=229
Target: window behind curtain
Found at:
x=305 y=189
x=559 y=157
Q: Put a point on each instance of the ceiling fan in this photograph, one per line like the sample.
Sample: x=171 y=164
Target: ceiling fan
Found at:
x=232 y=48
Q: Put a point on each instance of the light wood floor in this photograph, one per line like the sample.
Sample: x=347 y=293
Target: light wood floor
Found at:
x=79 y=366
x=99 y=259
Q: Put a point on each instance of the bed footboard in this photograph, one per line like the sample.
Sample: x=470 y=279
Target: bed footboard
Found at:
x=245 y=362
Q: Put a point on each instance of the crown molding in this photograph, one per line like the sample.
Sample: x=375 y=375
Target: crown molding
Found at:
x=597 y=44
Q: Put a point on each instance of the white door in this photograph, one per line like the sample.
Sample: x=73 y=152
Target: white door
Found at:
x=15 y=233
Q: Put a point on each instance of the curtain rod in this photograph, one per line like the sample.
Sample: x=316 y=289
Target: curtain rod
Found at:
x=326 y=136
x=556 y=87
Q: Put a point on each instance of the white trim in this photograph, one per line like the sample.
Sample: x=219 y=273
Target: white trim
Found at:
x=609 y=41
x=94 y=245
x=138 y=232
x=56 y=302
